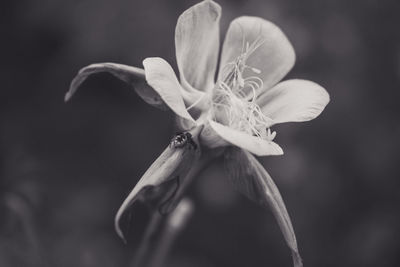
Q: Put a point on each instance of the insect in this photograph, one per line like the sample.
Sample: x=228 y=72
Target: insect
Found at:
x=181 y=139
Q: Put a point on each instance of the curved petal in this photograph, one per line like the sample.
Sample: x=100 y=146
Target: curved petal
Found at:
x=273 y=56
x=131 y=75
x=293 y=100
x=197 y=45
x=248 y=142
x=161 y=76
x=250 y=178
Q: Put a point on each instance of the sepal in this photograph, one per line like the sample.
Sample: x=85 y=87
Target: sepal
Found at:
x=161 y=181
x=250 y=178
x=131 y=75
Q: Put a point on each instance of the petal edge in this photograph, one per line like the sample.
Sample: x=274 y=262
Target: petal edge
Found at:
x=131 y=75
x=274 y=57
x=250 y=178
x=161 y=76
x=294 y=101
x=197 y=45
x=245 y=141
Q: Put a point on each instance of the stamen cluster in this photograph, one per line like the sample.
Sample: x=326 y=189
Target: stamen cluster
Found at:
x=234 y=97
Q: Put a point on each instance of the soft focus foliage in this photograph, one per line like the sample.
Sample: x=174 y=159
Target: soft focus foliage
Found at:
x=74 y=164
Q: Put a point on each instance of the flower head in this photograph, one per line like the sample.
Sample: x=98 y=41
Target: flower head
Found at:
x=236 y=111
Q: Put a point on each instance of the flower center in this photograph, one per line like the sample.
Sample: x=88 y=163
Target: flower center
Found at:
x=234 y=97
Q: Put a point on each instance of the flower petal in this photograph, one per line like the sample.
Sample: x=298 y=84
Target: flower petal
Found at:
x=131 y=75
x=273 y=58
x=248 y=142
x=174 y=163
x=161 y=76
x=197 y=45
x=210 y=138
x=293 y=100
x=250 y=178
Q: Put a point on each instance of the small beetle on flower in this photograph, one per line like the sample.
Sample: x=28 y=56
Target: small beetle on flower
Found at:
x=181 y=139
x=231 y=116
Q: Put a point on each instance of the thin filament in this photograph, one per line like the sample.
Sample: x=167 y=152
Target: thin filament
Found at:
x=234 y=97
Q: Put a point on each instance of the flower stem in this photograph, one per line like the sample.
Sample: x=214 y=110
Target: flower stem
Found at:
x=175 y=223
x=143 y=253
x=153 y=252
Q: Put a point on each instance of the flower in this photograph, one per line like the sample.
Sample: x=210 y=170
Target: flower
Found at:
x=235 y=111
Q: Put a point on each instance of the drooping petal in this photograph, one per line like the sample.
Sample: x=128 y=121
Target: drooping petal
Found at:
x=253 y=144
x=131 y=75
x=173 y=164
x=250 y=178
x=273 y=55
x=293 y=100
x=197 y=45
x=161 y=76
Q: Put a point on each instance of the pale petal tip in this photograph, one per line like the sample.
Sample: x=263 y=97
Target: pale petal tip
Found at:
x=117 y=227
x=214 y=9
x=76 y=82
x=68 y=96
x=147 y=59
x=327 y=96
x=253 y=144
x=272 y=150
x=324 y=98
x=279 y=151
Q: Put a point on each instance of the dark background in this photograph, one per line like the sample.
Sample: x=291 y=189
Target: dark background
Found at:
x=66 y=168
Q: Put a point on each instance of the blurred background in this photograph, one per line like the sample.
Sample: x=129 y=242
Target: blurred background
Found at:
x=66 y=168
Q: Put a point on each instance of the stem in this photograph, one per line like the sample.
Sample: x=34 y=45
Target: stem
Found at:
x=145 y=245
x=176 y=222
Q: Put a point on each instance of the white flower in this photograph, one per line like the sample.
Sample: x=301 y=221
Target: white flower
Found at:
x=235 y=110
x=245 y=101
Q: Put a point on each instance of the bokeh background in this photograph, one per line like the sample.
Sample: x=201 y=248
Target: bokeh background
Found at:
x=66 y=168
